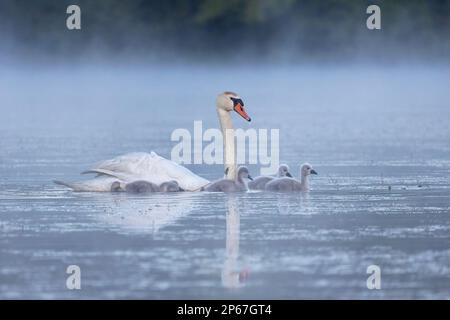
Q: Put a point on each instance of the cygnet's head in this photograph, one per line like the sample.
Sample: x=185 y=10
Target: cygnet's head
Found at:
x=283 y=171
x=116 y=186
x=307 y=170
x=243 y=175
x=230 y=101
x=170 y=186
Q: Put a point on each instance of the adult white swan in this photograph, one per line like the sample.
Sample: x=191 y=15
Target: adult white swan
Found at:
x=156 y=169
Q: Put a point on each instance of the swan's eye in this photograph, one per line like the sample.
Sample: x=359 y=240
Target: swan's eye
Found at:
x=237 y=101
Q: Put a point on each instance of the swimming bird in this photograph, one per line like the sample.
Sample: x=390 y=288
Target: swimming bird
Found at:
x=142 y=186
x=170 y=186
x=227 y=185
x=259 y=183
x=291 y=184
x=155 y=169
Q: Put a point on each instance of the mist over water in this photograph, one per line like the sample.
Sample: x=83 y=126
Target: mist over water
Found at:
x=224 y=32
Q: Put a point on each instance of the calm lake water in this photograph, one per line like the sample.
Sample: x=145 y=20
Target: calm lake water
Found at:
x=379 y=139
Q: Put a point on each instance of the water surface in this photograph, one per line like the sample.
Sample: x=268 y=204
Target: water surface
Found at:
x=379 y=139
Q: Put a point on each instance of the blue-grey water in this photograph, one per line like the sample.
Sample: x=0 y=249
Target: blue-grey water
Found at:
x=379 y=139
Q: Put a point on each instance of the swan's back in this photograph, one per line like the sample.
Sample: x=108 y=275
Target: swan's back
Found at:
x=149 y=167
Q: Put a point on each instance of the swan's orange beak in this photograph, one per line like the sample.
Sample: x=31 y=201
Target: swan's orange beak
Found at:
x=239 y=108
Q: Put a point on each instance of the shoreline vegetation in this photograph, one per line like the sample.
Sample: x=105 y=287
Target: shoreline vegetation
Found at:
x=233 y=30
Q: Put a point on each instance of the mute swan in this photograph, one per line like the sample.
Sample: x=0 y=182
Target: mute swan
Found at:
x=142 y=186
x=259 y=183
x=291 y=184
x=227 y=185
x=155 y=169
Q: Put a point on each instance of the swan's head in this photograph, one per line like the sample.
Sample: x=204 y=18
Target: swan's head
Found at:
x=230 y=101
x=243 y=174
x=307 y=170
x=283 y=171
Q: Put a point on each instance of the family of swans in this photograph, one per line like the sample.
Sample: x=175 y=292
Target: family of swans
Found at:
x=148 y=172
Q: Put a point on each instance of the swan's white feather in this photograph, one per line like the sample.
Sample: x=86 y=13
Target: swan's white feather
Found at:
x=98 y=184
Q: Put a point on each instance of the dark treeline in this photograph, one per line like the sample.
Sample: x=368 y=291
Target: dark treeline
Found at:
x=285 y=30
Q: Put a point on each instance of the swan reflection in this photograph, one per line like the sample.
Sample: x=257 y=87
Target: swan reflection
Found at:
x=232 y=276
x=149 y=213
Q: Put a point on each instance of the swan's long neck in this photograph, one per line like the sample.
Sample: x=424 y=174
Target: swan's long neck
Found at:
x=229 y=151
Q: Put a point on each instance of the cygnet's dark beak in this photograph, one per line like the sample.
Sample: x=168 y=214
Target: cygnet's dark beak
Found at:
x=313 y=171
x=288 y=175
x=250 y=177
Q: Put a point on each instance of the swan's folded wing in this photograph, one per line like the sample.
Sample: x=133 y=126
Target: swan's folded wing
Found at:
x=136 y=163
x=170 y=170
x=150 y=167
x=114 y=174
